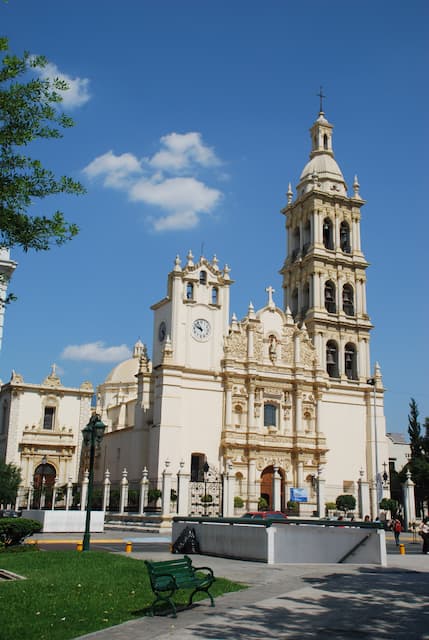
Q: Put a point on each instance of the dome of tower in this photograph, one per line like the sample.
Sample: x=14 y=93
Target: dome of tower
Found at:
x=325 y=166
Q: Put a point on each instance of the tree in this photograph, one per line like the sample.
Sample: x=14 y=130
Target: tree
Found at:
x=10 y=479
x=419 y=461
x=414 y=430
x=29 y=111
x=345 y=502
x=388 y=504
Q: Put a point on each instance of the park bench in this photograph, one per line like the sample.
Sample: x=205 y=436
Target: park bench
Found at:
x=168 y=576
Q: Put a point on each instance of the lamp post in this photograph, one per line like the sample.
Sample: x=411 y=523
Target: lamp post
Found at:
x=205 y=470
x=372 y=382
x=43 y=482
x=92 y=436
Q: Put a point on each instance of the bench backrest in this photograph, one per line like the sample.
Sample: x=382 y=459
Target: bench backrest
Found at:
x=180 y=567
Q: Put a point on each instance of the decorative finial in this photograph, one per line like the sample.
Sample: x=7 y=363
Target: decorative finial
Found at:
x=251 y=310
x=177 y=263
x=289 y=194
x=356 y=187
x=215 y=263
x=321 y=96
x=190 y=259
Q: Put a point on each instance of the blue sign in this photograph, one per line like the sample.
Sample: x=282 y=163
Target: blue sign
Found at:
x=298 y=495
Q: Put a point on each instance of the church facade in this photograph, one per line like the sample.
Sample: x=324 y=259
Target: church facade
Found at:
x=282 y=399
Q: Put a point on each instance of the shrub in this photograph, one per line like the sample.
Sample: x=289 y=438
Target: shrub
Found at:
x=153 y=495
x=262 y=504
x=293 y=506
x=387 y=504
x=238 y=502
x=14 y=530
x=330 y=506
x=206 y=498
x=345 y=502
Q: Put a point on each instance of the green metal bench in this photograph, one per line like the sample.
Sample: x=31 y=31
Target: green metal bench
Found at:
x=168 y=576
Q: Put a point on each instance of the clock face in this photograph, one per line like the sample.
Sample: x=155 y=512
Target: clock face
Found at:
x=162 y=331
x=201 y=329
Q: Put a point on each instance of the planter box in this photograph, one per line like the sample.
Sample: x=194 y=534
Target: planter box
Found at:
x=65 y=521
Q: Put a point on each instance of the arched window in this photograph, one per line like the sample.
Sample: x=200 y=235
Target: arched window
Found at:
x=325 y=141
x=296 y=242
x=305 y=298
x=348 y=300
x=238 y=415
x=215 y=295
x=332 y=359
x=294 y=303
x=350 y=367
x=49 y=418
x=306 y=238
x=345 y=237
x=270 y=415
x=239 y=484
x=189 y=291
x=203 y=277
x=328 y=235
x=330 y=303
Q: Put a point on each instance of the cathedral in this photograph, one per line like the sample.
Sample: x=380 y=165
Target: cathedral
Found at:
x=284 y=400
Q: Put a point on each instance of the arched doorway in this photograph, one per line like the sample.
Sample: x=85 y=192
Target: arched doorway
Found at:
x=43 y=482
x=267 y=487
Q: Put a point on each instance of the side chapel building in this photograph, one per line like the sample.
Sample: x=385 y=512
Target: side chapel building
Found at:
x=282 y=393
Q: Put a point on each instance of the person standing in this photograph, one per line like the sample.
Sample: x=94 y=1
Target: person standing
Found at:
x=424 y=533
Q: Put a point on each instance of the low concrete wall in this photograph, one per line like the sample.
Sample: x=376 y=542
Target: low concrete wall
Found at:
x=65 y=521
x=287 y=543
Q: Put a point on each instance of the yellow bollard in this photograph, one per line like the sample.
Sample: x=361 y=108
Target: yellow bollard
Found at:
x=128 y=547
x=79 y=546
x=402 y=549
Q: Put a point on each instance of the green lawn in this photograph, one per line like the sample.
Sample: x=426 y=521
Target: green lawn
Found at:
x=67 y=594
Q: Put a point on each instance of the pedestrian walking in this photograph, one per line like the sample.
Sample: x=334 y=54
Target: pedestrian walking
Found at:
x=397 y=528
x=424 y=534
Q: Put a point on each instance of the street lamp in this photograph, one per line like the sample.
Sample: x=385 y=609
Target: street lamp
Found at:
x=205 y=470
x=92 y=436
x=372 y=382
x=43 y=469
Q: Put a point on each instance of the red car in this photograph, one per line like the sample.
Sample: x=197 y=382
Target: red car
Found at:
x=265 y=515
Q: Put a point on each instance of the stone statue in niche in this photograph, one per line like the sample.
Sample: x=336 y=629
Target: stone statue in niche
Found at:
x=272 y=348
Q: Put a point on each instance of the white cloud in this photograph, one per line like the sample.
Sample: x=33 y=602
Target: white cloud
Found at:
x=96 y=352
x=182 y=150
x=78 y=92
x=116 y=169
x=167 y=180
x=176 y=194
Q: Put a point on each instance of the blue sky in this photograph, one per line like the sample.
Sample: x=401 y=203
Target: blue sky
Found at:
x=191 y=119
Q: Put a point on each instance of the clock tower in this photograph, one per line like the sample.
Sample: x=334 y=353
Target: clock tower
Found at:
x=190 y=325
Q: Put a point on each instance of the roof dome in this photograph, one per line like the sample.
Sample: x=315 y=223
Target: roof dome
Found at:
x=126 y=371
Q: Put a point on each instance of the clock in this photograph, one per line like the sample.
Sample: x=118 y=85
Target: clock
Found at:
x=162 y=331
x=201 y=329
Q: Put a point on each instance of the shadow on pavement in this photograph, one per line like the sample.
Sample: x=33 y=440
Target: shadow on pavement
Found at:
x=372 y=603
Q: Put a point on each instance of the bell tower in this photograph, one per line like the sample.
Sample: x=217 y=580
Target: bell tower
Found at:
x=324 y=274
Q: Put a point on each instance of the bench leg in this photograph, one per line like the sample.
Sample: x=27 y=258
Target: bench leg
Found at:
x=164 y=599
x=202 y=591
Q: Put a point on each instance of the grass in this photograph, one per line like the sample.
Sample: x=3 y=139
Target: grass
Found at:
x=68 y=594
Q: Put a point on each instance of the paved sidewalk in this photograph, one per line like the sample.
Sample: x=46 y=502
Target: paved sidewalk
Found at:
x=298 y=602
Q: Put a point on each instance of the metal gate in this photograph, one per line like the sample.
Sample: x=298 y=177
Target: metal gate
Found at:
x=206 y=497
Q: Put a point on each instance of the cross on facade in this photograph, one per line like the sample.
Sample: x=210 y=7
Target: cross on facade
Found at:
x=270 y=292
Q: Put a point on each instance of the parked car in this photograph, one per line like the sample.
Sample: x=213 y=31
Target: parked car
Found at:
x=10 y=513
x=264 y=515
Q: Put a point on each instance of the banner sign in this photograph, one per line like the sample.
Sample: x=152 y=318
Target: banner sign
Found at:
x=298 y=495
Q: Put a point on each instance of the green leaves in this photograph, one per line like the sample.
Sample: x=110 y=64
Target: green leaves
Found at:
x=10 y=479
x=29 y=111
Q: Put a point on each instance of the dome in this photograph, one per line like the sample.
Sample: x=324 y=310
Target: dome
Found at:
x=325 y=166
x=124 y=372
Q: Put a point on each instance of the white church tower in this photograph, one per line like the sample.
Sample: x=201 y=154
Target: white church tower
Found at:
x=7 y=267
x=324 y=284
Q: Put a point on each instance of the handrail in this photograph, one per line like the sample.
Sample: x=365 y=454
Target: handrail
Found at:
x=267 y=522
